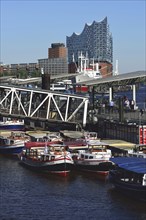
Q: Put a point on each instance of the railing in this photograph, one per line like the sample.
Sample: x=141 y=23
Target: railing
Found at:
x=137 y=116
x=42 y=104
x=141 y=105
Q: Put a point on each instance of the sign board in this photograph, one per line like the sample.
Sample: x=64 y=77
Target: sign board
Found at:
x=142 y=134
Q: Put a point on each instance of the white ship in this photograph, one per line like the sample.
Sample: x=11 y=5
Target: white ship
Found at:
x=85 y=72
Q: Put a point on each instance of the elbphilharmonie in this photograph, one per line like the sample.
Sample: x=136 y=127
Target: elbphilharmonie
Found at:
x=95 y=40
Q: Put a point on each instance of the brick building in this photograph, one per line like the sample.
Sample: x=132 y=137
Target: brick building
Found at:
x=57 y=50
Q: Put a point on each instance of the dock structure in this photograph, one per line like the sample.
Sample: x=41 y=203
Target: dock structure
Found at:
x=42 y=105
x=114 y=82
x=119 y=122
x=119 y=146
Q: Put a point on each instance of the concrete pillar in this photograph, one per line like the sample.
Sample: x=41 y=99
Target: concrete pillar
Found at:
x=46 y=86
x=134 y=94
x=46 y=81
x=93 y=92
x=110 y=94
x=85 y=113
x=121 y=110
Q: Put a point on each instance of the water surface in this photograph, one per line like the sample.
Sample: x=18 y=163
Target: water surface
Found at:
x=27 y=195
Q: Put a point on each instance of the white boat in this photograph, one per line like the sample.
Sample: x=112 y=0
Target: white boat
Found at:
x=138 y=151
x=85 y=71
x=9 y=124
x=53 y=159
x=43 y=136
x=95 y=159
x=12 y=144
x=76 y=140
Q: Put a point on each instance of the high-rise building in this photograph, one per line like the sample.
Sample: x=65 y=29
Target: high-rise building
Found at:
x=56 y=63
x=57 y=50
x=95 y=40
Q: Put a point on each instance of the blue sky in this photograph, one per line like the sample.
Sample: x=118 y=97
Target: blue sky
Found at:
x=29 y=27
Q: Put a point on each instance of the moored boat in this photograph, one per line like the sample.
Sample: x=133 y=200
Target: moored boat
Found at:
x=95 y=159
x=129 y=177
x=43 y=136
x=13 y=144
x=42 y=139
x=138 y=151
x=77 y=140
x=53 y=159
x=15 y=125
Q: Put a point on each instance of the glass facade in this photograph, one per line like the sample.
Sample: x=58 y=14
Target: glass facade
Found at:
x=95 y=40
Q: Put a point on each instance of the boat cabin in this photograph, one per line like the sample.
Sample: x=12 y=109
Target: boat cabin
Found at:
x=138 y=151
x=41 y=137
x=5 y=141
x=131 y=170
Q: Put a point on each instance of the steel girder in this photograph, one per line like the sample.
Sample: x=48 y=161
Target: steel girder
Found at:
x=48 y=105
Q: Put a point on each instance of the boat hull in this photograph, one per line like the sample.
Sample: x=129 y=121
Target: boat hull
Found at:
x=62 y=168
x=101 y=169
x=11 y=150
x=12 y=127
x=85 y=78
x=129 y=189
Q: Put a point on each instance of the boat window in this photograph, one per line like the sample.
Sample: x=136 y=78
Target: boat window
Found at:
x=1 y=141
x=47 y=157
x=11 y=142
x=27 y=151
x=35 y=152
x=86 y=156
x=40 y=140
x=90 y=157
x=6 y=141
x=31 y=152
x=82 y=156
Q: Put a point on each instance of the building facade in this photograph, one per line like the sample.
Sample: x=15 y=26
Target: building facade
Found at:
x=56 y=63
x=54 y=66
x=14 y=68
x=95 y=40
x=57 y=50
x=30 y=67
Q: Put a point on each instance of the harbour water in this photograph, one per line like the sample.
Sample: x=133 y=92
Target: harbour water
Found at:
x=25 y=195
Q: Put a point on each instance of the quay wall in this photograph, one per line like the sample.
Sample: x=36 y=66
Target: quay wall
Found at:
x=107 y=129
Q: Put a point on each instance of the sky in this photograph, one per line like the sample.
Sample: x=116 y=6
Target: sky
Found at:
x=28 y=28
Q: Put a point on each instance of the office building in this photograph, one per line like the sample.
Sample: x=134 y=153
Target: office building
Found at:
x=56 y=63
x=57 y=50
x=54 y=66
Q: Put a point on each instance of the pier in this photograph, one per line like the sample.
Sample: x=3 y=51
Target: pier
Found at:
x=45 y=108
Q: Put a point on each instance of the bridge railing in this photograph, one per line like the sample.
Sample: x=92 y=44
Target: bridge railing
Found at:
x=42 y=104
x=137 y=116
